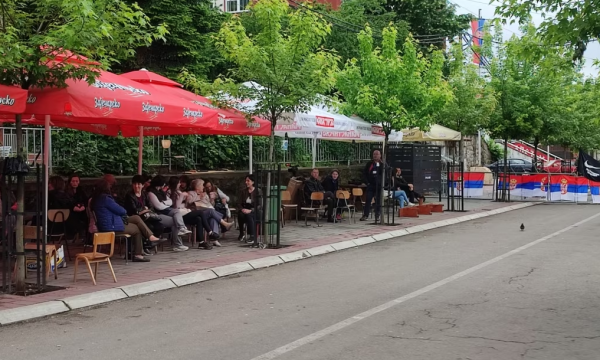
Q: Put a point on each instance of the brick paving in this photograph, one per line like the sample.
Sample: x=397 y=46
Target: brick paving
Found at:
x=167 y=263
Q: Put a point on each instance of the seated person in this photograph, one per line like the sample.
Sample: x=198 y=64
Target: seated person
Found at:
x=57 y=196
x=313 y=185
x=137 y=203
x=184 y=183
x=249 y=209
x=401 y=184
x=331 y=185
x=78 y=219
x=218 y=199
x=109 y=218
x=199 y=201
x=161 y=203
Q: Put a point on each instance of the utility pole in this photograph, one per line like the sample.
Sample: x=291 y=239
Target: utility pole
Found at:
x=479 y=130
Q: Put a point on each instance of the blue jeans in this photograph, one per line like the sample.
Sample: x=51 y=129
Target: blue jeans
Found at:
x=400 y=195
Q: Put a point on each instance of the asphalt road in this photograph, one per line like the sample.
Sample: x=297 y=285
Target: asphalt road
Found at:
x=477 y=290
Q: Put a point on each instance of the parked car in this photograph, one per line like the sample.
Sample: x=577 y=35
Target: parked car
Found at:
x=514 y=166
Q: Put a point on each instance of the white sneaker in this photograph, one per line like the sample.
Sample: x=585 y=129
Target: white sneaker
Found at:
x=180 y=248
x=217 y=243
x=411 y=204
x=184 y=232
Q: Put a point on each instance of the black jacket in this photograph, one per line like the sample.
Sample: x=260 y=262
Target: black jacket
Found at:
x=400 y=183
x=331 y=185
x=59 y=200
x=135 y=205
x=310 y=186
x=372 y=173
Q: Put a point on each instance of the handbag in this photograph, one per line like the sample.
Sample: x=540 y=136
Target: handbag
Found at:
x=151 y=217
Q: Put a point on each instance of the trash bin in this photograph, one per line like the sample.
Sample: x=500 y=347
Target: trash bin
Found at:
x=274 y=208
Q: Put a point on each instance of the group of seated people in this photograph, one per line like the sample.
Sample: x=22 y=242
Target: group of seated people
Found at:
x=399 y=189
x=151 y=206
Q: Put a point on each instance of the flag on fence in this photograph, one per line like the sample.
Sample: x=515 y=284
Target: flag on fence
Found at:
x=514 y=184
x=569 y=188
x=472 y=184
x=595 y=190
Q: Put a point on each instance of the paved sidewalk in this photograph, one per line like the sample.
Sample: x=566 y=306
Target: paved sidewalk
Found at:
x=167 y=264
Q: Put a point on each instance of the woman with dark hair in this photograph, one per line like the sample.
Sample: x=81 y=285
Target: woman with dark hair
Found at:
x=78 y=219
x=137 y=203
x=248 y=209
x=57 y=196
x=162 y=204
x=218 y=199
x=184 y=183
x=331 y=184
x=110 y=215
x=401 y=185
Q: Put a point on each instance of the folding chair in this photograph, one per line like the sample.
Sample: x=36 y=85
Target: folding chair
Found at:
x=314 y=197
x=96 y=257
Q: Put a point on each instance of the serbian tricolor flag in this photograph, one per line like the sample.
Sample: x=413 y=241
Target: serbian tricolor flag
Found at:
x=477 y=31
x=595 y=190
x=535 y=185
x=471 y=185
x=514 y=184
x=568 y=188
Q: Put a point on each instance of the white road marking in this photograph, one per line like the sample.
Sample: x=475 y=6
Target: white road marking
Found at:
x=354 y=319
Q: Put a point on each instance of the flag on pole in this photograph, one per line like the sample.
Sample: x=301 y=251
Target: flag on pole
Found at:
x=477 y=31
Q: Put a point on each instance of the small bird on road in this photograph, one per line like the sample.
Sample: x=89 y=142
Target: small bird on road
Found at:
x=522 y=227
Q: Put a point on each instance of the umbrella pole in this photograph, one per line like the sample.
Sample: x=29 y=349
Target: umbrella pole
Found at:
x=314 y=151
x=140 y=150
x=250 y=153
x=47 y=138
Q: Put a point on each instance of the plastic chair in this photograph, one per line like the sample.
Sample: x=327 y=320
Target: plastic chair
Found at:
x=96 y=257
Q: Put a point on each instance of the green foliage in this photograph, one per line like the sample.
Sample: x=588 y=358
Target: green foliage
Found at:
x=283 y=56
x=473 y=101
x=496 y=150
x=192 y=25
x=395 y=90
x=33 y=31
x=566 y=23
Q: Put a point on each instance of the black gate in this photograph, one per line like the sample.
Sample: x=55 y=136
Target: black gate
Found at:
x=456 y=189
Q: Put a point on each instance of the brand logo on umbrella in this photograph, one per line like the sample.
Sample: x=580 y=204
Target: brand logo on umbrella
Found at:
x=253 y=125
x=113 y=86
x=224 y=121
x=100 y=103
x=324 y=121
x=192 y=113
x=202 y=103
x=7 y=101
x=31 y=99
x=151 y=108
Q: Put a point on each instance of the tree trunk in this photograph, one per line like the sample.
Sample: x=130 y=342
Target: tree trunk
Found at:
x=382 y=216
x=461 y=155
x=272 y=163
x=536 y=143
x=20 y=276
x=506 y=178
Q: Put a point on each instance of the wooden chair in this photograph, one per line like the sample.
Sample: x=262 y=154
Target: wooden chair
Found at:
x=122 y=237
x=286 y=196
x=96 y=257
x=29 y=233
x=343 y=196
x=59 y=218
x=357 y=194
x=314 y=197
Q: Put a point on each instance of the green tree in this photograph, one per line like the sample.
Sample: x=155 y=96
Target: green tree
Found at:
x=392 y=89
x=396 y=90
x=473 y=101
x=32 y=32
x=190 y=43
x=284 y=56
x=570 y=23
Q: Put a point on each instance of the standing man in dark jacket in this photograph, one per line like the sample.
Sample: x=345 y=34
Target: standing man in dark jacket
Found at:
x=314 y=185
x=373 y=174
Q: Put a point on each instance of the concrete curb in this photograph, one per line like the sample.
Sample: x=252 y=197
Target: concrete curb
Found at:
x=53 y=307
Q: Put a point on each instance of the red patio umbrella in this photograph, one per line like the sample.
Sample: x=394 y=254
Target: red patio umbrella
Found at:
x=12 y=100
x=230 y=121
